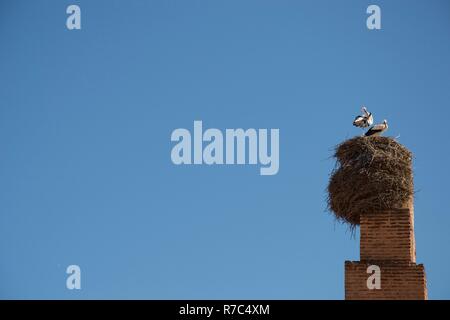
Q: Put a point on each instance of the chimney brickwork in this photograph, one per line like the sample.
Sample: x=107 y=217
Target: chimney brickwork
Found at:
x=387 y=241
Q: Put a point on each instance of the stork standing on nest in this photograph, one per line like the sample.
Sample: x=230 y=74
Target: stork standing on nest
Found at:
x=364 y=120
x=377 y=129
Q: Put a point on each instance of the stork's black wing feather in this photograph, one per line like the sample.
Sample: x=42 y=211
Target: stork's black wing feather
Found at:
x=372 y=131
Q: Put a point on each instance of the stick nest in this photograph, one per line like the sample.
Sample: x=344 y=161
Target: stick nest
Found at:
x=371 y=174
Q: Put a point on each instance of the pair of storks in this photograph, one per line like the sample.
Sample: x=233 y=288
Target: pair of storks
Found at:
x=366 y=120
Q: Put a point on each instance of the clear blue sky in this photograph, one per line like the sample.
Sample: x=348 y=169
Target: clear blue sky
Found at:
x=86 y=116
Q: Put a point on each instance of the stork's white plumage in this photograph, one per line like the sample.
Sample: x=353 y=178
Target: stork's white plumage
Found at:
x=364 y=120
x=377 y=129
x=369 y=116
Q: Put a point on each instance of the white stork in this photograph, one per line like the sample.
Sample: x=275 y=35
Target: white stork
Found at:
x=364 y=120
x=377 y=129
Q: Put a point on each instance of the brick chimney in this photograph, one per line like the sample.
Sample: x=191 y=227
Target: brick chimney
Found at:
x=387 y=241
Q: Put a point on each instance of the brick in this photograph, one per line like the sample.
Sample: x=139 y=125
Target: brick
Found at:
x=388 y=235
x=399 y=280
x=387 y=240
